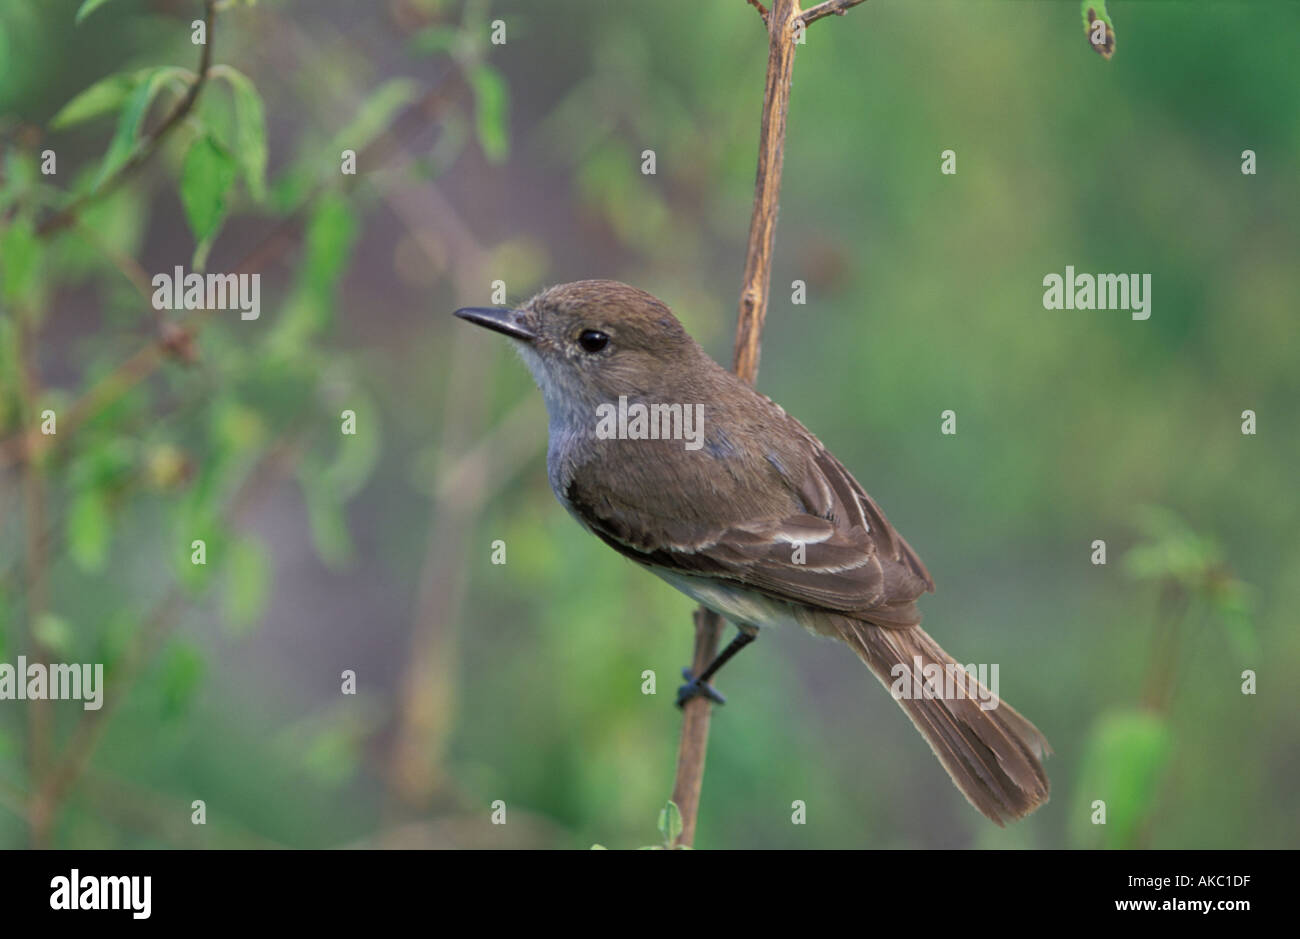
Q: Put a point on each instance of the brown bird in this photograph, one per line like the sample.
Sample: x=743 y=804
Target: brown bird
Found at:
x=681 y=466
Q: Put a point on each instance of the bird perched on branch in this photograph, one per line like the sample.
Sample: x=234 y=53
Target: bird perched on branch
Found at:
x=681 y=466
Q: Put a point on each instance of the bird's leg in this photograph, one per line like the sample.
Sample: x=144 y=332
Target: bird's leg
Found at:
x=696 y=687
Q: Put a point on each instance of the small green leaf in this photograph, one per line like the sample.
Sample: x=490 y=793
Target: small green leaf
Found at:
x=88 y=530
x=1123 y=760
x=20 y=253
x=1092 y=11
x=206 y=177
x=437 y=39
x=54 y=633
x=490 y=112
x=330 y=234
x=105 y=95
x=250 y=583
x=376 y=114
x=329 y=528
x=357 y=453
x=332 y=755
x=1098 y=9
x=1233 y=602
x=670 y=822
x=129 y=121
x=250 y=130
x=87 y=8
x=182 y=671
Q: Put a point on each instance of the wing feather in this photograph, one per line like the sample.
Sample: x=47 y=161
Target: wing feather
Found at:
x=835 y=550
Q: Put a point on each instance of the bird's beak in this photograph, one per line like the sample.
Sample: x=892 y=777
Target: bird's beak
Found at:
x=510 y=322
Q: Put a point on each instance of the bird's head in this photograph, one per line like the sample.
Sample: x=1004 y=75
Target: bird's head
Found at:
x=591 y=341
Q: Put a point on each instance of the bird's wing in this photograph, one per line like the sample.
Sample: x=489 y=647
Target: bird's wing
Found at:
x=839 y=553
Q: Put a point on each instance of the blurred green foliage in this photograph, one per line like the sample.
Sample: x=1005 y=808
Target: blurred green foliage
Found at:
x=522 y=163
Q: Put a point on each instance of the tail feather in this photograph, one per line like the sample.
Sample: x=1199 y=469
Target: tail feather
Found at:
x=993 y=755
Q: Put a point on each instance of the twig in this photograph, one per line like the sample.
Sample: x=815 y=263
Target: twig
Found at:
x=36 y=575
x=694 y=744
x=781 y=21
x=767 y=188
x=126 y=265
x=149 y=145
x=829 y=8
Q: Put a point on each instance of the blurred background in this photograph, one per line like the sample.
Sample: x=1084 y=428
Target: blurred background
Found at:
x=521 y=162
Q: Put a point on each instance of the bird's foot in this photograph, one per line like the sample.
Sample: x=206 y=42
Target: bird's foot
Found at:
x=694 y=688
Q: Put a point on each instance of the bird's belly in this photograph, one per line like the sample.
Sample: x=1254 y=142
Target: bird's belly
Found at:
x=734 y=603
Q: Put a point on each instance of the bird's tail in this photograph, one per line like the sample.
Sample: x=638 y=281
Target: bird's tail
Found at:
x=992 y=753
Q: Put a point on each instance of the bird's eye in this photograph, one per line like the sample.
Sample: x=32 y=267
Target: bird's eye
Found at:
x=593 y=340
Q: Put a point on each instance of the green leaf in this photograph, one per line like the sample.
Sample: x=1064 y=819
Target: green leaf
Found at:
x=105 y=95
x=1172 y=550
x=1124 y=757
x=1234 y=604
x=54 y=633
x=206 y=177
x=182 y=671
x=670 y=822
x=329 y=529
x=129 y=121
x=19 y=176
x=375 y=114
x=87 y=8
x=357 y=453
x=250 y=130
x=88 y=530
x=20 y=254
x=437 y=39
x=332 y=756
x=329 y=239
x=490 y=112
x=1096 y=10
x=1099 y=9
x=250 y=583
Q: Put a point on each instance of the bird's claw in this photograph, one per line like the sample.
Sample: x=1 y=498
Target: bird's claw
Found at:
x=694 y=688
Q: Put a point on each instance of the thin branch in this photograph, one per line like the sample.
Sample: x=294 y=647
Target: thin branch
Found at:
x=39 y=714
x=694 y=744
x=767 y=188
x=749 y=332
x=829 y=8
x=762 y=10
x=149 y=145
x=126 y=265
